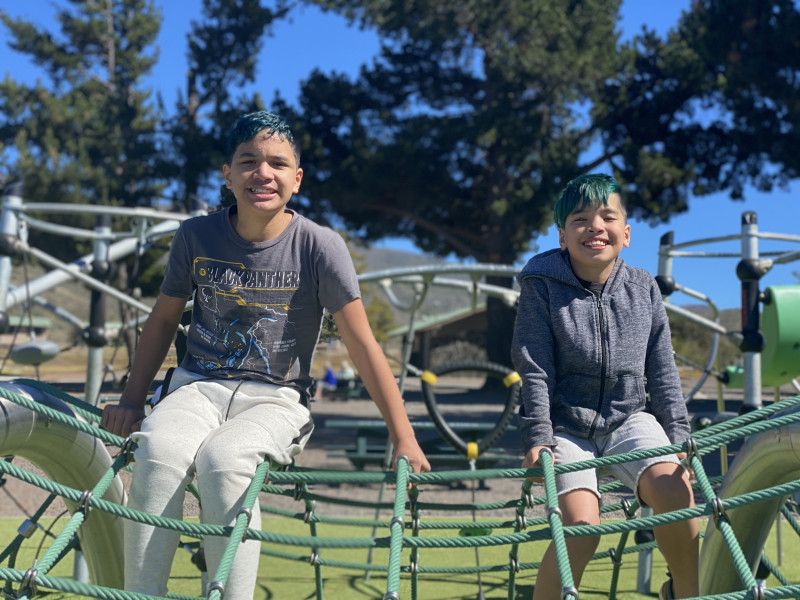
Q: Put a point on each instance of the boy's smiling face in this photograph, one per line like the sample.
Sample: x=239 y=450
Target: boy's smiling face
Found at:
x=263 y=175
x=594 y=237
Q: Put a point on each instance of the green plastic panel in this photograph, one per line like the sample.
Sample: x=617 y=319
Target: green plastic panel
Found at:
x=780 y=324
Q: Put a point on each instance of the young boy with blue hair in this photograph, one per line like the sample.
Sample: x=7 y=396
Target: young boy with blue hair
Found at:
x=590 y=331
x=260 y=275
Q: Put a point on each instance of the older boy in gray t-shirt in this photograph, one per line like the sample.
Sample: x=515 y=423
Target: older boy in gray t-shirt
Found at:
x=260 y=276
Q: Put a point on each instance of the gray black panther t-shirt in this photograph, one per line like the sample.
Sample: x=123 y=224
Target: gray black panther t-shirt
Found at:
x=257 y=305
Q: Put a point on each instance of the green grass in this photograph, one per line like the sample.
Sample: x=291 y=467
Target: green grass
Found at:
x=281 y=579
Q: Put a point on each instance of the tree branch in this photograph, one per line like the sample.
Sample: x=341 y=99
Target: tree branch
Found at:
x=457 y=244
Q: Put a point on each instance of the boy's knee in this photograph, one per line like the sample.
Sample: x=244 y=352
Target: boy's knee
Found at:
x=665 y=486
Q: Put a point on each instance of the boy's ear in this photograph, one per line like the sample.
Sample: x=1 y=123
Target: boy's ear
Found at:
x=626 y=241
x=226 y=173
x=298 y=178
x=562 y=238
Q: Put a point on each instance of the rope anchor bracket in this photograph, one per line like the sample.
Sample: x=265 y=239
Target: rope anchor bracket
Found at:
x=84 y=503
x=29 y=582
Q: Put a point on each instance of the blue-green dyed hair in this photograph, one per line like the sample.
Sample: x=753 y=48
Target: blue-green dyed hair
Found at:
x=249 y=125
x=591 y=189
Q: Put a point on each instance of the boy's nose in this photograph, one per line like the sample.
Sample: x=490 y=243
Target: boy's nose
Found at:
x=597 y=223
x=264 y=171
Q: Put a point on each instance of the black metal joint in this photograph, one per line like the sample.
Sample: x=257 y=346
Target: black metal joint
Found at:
x=95 y=337
x=752 y=341
x=101 y=270
x=666 y=284
x=753 y=269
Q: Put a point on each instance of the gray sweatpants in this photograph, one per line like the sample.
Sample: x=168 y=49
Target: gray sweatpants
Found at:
x=218 y=430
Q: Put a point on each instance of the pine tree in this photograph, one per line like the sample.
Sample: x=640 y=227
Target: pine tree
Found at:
x=88 y=133
x=223 y=49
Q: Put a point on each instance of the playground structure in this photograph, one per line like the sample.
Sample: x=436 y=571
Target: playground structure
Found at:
x=58 y=432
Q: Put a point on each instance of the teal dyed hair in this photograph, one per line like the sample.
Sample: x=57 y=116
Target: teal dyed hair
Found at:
x=592 y=189
x=249 y=125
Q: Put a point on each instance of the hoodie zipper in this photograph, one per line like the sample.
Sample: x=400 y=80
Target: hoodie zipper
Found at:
x=602 y=366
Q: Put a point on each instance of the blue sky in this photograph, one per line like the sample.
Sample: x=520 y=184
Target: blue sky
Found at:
x=325 y=41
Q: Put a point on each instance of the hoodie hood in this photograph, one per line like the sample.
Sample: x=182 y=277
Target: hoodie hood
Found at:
x=554 y=264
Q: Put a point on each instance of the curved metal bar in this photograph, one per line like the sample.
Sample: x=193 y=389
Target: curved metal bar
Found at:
x=485 y=269
x=712 y=353
x=726 y=238
x=67 y=231
x=94 y=209
x=65 y=272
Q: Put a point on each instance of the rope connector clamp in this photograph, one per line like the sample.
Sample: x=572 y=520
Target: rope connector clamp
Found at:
x=396 y=520
x=298 y=491
x=612 y=552
x=84 y=502
x=626 y=507
x=719 y=510
x=245 y=511
x=218 y=586
x=758 y=592
x=29 y=582
x=126 y=449
x=249 y=513
x=691 y=450
x=528 y=499
x=413 y=567
x=569 y=591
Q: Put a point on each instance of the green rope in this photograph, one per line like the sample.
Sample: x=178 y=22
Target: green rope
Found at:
x=556 y=527
x=706 y=441
x=790 y=518
x=616 y=553
x=724 y=527
x=520 y=523
x=311 y=518
x=237 y=535
x=416 y=519
x=76 y=520
x=60 y=417
x=85 y=409
x=774 y=570
x=396 y=528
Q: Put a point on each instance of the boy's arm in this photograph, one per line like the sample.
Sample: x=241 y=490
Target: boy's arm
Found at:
x=531 y=460
x=379 y=380
x=157 y=335
x=533 y=355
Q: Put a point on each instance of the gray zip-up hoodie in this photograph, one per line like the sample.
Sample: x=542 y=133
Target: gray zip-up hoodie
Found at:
x=583 y=359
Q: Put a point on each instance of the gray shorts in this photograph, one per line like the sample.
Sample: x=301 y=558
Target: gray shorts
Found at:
x=640 y=431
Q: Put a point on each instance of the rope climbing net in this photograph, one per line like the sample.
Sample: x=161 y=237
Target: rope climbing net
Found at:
x=406 y=533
